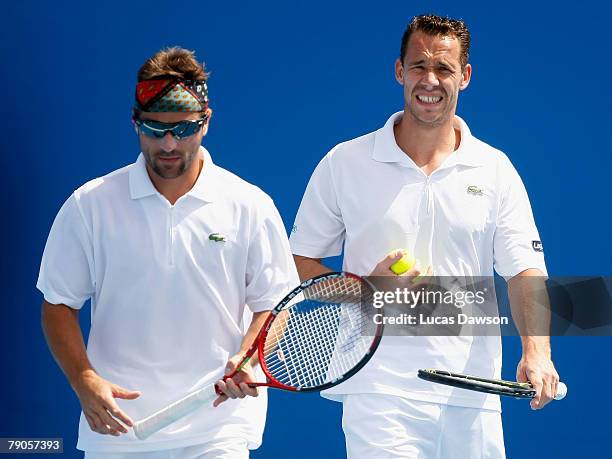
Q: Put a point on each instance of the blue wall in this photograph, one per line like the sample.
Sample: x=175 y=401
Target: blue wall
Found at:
x=289 y=81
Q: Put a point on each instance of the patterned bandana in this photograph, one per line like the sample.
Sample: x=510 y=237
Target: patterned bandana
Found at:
x=171 y=95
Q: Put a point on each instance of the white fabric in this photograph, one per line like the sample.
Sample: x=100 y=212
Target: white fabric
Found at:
x=370 y=196
x=384 y=427
x=168 y=302
x=224 y=448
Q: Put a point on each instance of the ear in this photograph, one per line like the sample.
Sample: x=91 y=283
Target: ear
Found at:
x=399 y=72
x=466 y=75
x=205 y=126
x=208 y=113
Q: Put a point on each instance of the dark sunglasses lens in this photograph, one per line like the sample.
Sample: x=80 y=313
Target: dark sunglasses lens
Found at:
x=180 y=130
x=186 y=128
x=153 y=129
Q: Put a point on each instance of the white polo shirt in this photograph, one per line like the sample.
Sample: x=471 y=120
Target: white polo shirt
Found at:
x=168 y=287
x=470 y=217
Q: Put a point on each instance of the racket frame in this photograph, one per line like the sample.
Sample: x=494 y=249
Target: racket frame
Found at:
x=478 y=384
x=260 y=340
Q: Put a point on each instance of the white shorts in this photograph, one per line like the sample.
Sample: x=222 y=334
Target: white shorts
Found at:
x=384 y=426
x=227 y=448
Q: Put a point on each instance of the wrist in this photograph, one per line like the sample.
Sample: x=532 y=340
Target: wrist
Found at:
x=80 y=378
x=536 y=345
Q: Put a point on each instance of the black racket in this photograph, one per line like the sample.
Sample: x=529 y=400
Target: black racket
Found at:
x=489 y=386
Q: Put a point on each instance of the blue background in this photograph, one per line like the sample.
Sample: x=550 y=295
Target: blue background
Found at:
x=289 y=81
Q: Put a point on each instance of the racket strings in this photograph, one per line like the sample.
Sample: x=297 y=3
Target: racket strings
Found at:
x=321 y=337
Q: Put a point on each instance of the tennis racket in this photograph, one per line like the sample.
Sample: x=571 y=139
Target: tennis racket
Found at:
x=490 y=386
x=318 y=336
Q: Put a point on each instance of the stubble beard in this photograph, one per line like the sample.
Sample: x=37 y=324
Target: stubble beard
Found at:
x=170 y=171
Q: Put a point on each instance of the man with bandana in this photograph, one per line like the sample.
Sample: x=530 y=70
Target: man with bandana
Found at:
x=181 y=261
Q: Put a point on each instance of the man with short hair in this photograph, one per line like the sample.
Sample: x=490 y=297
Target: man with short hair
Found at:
x=170 y=250
x=424 y=183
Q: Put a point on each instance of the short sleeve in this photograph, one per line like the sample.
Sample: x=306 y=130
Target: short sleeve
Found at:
x=319 y=229
x=516 y=242
x=271 y=272
x=66 y=270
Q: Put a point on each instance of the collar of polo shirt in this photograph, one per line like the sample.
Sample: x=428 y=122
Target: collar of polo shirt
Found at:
x=386 y=149
x=205 y=187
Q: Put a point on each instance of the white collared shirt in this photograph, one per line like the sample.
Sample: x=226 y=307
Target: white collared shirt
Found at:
x=168 y=286
x=471 y=216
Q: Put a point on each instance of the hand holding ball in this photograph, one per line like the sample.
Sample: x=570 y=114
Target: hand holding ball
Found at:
x=404 y=264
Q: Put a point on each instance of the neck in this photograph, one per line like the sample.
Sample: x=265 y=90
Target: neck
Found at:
x=173 y=189
x=427 y=146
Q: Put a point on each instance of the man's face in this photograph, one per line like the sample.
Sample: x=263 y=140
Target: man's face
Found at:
x=168 y=157
x=432 y=78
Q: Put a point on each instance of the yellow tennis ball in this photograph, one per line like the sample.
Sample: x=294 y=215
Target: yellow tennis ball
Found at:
x=404 y=264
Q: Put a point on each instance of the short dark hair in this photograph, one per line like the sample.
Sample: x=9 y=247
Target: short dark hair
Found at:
x=173 y=62
x=442 y=26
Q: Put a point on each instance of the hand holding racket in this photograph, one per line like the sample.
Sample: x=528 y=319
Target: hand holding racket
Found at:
x=489 y=386
x=318 y=336
x=236 y=382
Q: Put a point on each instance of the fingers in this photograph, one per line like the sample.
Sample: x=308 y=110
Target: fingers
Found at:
x=248 y=390
x=97 y=397
x=120 y=392
x=236 y=390
x=219 y=400
x=394 y=256
x=119 y=414
x=545 y=389
x=537 y=386
x=97 y=425
x=383 y=268
x=114 y=427
x=231 y=389
x=521 y=376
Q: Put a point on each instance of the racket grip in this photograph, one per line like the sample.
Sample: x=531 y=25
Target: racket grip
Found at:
x=173 y=412
x=561 y=391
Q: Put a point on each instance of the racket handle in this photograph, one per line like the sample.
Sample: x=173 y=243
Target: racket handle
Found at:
x=561 y=391
x=173 y=412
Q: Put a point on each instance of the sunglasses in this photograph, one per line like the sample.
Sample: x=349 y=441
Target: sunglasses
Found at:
x=180 y=130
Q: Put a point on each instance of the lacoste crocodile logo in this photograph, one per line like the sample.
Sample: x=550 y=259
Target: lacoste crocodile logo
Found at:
x=216 y=237
x=475 y=190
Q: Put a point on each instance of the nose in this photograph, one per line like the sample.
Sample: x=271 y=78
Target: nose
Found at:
x=168 y=142
x=430 y=79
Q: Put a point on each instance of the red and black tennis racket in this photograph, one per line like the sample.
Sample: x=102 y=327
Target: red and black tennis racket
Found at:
x=318 y=336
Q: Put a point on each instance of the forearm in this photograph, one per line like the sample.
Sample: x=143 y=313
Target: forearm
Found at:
x=65 y=340
x=309 y=267
x=257 y=322
x=531 y=310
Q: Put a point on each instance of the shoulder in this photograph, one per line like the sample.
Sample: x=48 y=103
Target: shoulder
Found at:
x=233 y=188
x=489 y=156
x=109 y=184
x=359 y=147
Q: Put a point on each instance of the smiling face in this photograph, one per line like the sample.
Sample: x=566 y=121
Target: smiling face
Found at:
x=169 y=158
x=432 y=77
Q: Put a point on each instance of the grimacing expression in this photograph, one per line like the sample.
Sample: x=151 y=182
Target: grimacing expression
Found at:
x=168 y=157
x=432 y=77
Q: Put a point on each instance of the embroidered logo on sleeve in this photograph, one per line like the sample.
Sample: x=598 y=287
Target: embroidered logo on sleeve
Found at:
x=477 y=191
x=216 y=237
x=537 y=246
